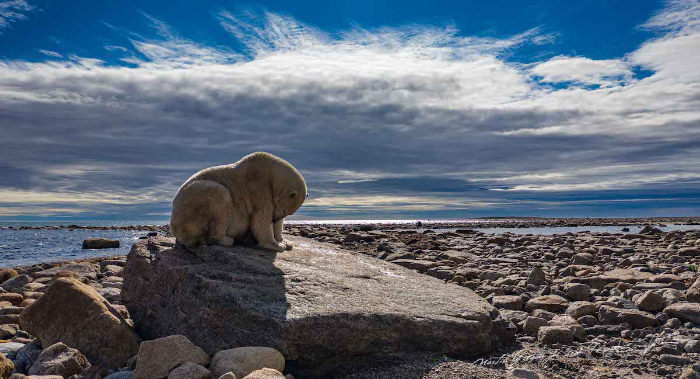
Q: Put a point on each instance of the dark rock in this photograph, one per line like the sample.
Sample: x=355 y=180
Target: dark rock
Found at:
x=59 y=359
x=100 y=243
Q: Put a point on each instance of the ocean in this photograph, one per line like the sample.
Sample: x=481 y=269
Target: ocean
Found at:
x=31 y=246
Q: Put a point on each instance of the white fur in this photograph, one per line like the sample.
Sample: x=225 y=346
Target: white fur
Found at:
x=222 y=203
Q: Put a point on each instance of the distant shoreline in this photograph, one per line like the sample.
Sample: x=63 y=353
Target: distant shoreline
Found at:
x=485 y=222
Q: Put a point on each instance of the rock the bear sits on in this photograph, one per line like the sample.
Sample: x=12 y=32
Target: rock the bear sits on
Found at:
x=222 y=203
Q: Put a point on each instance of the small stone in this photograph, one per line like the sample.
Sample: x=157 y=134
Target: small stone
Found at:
x=686 y=312
x=536 y=277
x=551 y=303
x=693 y=293
x=15 y=283
x=689 y=373
x=579 y=309
x=228 y=375
x=6 y=366
x=26 y=356
x=508 y=302
x=242 y=361
x=578 y=292
x=158 y=357
x=8 y=331
x=692 y=346
x=189 y=370
x=533 y=324
x=59 y=359
x=582 y=259
x=675 y=360
x=615 y=316
x=524 y=373
x=689 y=252
x=121 y=375
x=7 y=273
x=266 y=373
x=650 y=301
x=555 y=334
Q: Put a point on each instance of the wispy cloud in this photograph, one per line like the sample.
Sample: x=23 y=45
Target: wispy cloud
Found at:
x=414 y=118
x=51 y=53
x=13 y=11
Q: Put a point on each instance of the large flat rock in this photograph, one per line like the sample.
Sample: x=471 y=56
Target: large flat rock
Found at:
x=325 y=309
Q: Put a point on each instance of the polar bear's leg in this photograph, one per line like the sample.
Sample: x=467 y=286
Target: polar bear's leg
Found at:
x=277 y=230
x=261 y=227
x=201 y=214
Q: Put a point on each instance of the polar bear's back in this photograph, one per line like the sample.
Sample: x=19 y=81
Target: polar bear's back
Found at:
x=250 y=173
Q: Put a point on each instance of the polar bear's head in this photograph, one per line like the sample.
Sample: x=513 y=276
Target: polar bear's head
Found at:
x=289 y=190
x=288 y=203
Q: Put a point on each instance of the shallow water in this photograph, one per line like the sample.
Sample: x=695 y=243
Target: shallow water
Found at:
x=27 y=247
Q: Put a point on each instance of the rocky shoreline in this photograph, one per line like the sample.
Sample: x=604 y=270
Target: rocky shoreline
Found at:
x=492 y=222
x=577 y=305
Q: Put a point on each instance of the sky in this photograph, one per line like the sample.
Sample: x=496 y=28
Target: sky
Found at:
x=389 y=109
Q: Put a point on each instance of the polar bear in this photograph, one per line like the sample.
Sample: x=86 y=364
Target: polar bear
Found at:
x=222 y=203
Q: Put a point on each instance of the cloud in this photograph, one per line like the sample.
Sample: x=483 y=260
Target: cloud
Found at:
x=416 y=120
x=51 y=53
x=581 y=70
x=13 y=11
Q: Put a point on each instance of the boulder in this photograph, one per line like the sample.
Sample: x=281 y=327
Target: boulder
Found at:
x=189 y=370
x=100 y=243
x=323 y=308
x=244 y=360
x=686 y=312
x=75 y=314
x=158 y=357
x=59 y=359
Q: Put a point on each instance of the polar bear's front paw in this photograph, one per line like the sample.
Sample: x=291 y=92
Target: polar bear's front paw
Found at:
x=276 y=246
x=225 y=241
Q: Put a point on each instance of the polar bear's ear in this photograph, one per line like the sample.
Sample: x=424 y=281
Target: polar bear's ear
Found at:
x=293 y=194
